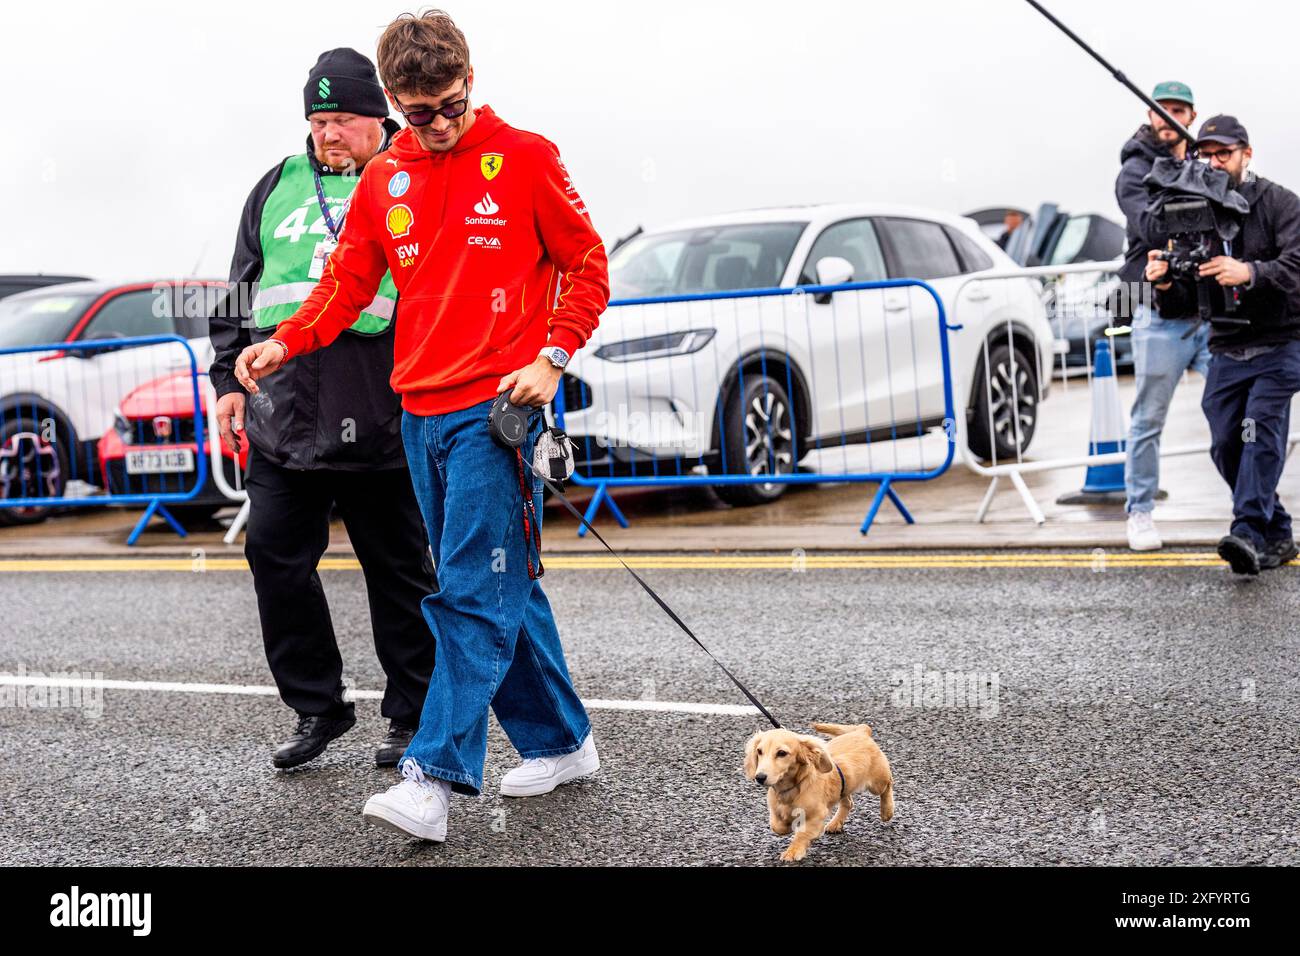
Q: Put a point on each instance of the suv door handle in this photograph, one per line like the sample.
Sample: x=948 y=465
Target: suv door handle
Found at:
x=977 y=293
x=895 y=303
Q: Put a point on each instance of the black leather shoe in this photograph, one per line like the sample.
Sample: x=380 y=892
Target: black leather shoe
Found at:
x=1239 y=553
x=1278 y=553
x=310 y=739
x=394 y=745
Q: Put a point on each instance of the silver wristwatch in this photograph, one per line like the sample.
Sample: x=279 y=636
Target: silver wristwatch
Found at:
x=555 y=355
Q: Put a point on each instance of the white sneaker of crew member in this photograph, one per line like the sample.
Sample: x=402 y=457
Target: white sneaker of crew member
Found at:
x=417 y=806
x=543 y=774
x=1142 y=533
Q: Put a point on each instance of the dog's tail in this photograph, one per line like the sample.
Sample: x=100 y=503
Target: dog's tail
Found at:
x=837 y=730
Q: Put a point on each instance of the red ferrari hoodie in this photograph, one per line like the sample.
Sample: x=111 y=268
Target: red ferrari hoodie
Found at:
x=492 y=252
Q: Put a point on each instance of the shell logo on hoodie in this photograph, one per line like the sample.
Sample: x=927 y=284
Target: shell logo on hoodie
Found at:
x=399 y=220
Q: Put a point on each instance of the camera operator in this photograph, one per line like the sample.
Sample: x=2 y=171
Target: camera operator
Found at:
x=1161 y=349
x=1255 y=368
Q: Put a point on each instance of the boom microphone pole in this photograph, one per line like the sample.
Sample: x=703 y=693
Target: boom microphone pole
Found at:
x=1152 y=104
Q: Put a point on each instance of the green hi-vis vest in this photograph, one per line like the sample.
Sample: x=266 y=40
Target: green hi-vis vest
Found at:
x=289 y=243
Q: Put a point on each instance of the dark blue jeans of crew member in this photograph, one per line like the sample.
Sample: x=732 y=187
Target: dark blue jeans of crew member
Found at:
x=496 y=641
x=1248 y=406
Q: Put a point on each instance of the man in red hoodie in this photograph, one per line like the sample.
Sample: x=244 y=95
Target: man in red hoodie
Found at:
x=500 y=278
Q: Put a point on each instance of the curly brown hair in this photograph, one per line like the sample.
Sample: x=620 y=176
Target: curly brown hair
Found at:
x=422 y=53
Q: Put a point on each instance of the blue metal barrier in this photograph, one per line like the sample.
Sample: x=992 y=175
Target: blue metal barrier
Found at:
x=673 y=471
x=27 y=403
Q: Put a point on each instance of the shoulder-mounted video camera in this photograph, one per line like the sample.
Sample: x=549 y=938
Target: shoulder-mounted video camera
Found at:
x=1195 y=206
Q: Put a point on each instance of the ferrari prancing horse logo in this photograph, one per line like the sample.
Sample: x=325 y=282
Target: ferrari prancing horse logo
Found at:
x=490 y=163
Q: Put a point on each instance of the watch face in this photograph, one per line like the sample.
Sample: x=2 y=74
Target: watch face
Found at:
x=558 y=356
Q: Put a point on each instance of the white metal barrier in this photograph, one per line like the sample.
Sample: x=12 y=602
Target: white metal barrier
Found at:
x=1068 y=311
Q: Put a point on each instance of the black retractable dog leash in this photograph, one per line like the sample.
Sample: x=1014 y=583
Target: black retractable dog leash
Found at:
x=505 y=424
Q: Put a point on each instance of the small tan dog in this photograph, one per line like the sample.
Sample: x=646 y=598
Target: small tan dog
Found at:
x=806 y=777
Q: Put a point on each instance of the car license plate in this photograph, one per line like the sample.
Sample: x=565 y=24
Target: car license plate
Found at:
x=151 y=462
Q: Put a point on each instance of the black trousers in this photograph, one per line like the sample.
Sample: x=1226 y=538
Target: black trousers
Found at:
x=288 y=530
x=1248 y=406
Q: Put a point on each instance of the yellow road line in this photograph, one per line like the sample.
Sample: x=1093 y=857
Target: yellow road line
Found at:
x=1085 y=560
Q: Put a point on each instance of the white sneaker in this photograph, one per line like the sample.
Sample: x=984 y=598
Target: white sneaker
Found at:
x=1142 y=533
x=417 y=806
x=543 y=774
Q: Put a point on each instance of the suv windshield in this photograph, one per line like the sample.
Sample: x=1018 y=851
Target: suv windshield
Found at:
x=708 y=259
x=40 y=319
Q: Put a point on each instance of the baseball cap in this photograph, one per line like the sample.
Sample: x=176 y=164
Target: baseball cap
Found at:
x=1223 y=129
x=1173 y=90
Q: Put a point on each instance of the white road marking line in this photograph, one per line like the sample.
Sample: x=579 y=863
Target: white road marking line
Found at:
x=254 y=690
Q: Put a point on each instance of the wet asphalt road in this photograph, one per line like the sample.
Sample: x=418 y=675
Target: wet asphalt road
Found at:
x=1137 y=715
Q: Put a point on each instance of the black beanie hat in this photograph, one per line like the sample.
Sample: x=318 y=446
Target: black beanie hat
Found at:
x=344 y=81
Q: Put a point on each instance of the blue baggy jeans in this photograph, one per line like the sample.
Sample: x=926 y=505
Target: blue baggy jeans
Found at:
x=1160 y=356
x=496 y=641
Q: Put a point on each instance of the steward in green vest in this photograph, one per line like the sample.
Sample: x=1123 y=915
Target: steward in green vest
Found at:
x=299 y=421
x=324 y=436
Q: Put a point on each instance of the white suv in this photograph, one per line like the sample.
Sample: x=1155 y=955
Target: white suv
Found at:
x=751 y=384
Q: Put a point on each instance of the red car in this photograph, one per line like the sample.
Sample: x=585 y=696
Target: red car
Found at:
x=151 y=447
x=76 y=389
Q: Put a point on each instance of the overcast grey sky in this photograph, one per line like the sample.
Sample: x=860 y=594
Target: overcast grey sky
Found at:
x=137 y=129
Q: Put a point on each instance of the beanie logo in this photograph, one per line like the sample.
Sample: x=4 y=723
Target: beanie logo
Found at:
x=323 y=88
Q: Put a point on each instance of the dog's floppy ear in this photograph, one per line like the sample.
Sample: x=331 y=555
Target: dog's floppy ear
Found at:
x=751 y=757
x=817 y=754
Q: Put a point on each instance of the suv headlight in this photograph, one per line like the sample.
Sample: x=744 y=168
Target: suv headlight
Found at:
x=656 y=346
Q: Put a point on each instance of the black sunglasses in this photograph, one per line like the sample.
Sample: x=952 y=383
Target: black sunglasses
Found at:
x=451 y=111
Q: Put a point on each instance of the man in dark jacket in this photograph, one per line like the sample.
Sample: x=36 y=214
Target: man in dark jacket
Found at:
x=1162 y=350
x=326 y=435
x=1255 y=369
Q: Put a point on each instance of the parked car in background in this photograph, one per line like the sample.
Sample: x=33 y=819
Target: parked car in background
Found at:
x=55 y=404
x=1083 y=310
x=14 y=283
x=152 y=448
x=1080 y=306
x=993 y=221
x=752 y=385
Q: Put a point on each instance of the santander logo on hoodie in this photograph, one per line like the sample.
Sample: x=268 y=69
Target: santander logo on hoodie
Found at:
x=487 y=210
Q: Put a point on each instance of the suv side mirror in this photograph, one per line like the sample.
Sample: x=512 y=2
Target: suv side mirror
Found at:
x=832 y=270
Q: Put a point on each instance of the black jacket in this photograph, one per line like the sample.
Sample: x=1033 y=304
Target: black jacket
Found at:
x=333 y=408
x=1270 y=241
x=1136 y=159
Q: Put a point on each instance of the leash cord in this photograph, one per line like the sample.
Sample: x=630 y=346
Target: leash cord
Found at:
x=648 y=589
